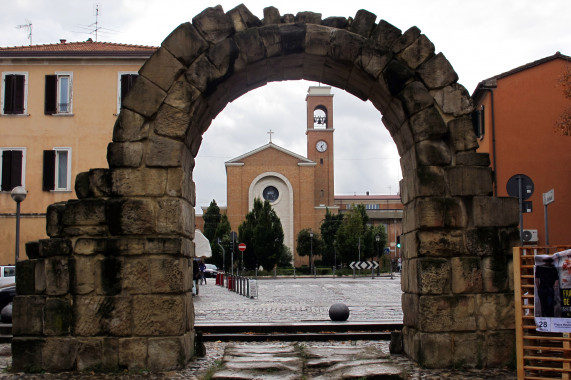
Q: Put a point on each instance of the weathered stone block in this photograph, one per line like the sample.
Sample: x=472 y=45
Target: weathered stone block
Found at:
x=443 y=243
x=308 y=18
x=492 y=211
x=164 y=152
x=55 y=247
x=466 y=275
x=139 y=182
x=58 y=316
x=336 y=22
x=500 y=348
x=169 y=246
x=437 y=72
x=495 y=274
x=447 y=313
x=213 y=24
x=175 y=216
x=483 y=241
x=469 y=180
x=407 y=38
x=54 y=219
x=27 y=354
x=428 y=181
x=180 y=184
x=99 y=315
x=136 y=275
x=28 y=312
x=385 y=34
x=410 y=309
x=433 y=275
x=292 y=38
x=144 y=98
x=57 y=276
x=59 y=354
x=82 y=274
x=168 y=275
x=130 y=126
x=418 y=52
x=167 y=353
x=397 y=75
x=242 y=18
x=89 y=353
x=271 y=16
x=473 y=159
x=127 y=155
x=162 y=69
x=437 y=212
x=453 y=99
x=110 y=353
x=433 y=152
x=434 y=350
x=251 y=47
x=31 y=277
x=131 y=216
x=171 y=122
x=133 y=353
x=158 y=315
x=373 y=61
x=496 y=311
x=182 y=95
x=363 y=23
x=185 y=43
x=468 y=350
x=427 y=124
x=360 y=84
x=317 y=39
x=84 y=212
x=99 y=183
x=109 y=276
x=415 y=97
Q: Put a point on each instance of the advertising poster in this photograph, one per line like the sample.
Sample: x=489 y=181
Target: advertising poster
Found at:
x=553 y=292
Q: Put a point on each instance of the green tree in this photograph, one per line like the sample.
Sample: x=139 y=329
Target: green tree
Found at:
x=286 y=258
x=378 y=247
x=211 y=219
x=329 y=227
x=306 y=244
x=349 y=240
x=221 y=235
x=263 y=235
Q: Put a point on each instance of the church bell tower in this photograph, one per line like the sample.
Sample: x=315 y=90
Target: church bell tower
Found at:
x=319 y=133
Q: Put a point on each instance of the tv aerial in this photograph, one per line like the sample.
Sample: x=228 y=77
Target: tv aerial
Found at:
x=28 y=27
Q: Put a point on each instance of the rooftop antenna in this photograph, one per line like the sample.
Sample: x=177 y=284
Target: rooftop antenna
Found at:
x=96 y=23
x=28 y=27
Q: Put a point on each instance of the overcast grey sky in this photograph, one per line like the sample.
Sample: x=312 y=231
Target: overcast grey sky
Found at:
x=479 y=38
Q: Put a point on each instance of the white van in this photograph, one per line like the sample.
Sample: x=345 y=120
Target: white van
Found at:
x=7 y=275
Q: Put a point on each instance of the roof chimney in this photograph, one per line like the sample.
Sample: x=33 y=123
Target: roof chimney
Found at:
x=62 y=41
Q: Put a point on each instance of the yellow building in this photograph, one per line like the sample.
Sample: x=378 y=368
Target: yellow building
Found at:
x=58 y=105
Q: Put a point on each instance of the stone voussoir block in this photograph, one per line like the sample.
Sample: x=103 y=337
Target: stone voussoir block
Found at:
x=363 y=23
x=127 y=155
x=437 y=72
x=427 y=124
x=182 y=95
x=418 y=52
x=429 y=181
x=251 y=48
x=185 y=43
x=144 y=98
x=453 y=99
x=162 y=68
x=164 y=152
x=385 y=35
x=406 y=39
x=130 y=126
x=317 y=39
x=308 y=18
x=472 y=158
x=345 y=46
x=469 y=180
x=271 y=16
x=242 y=18
x=433 y=152
x=415 y=97
x=462 y=133
x=213 y=24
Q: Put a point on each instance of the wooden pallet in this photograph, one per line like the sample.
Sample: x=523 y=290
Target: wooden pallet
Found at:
x=539 y=355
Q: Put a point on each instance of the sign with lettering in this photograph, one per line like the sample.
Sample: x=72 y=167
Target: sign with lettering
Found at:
x=552 y=295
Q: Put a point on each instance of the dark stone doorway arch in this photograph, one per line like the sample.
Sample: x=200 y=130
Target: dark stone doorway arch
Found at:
x=111 y=287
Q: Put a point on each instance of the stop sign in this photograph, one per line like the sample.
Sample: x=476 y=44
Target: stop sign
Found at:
x=242 y=247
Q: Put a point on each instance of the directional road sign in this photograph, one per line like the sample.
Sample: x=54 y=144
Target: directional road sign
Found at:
x=364 y=265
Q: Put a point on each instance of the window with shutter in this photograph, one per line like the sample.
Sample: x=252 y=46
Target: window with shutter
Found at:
x=48 y=182
x=50 y=102
x=126 y=82
x=57 y=170
x=58 y=94
x=12 y=169
x=14 y=93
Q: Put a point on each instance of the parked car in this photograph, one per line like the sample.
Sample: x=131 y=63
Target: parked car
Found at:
x=7 y=294
x=7 y=275
x=211 y=270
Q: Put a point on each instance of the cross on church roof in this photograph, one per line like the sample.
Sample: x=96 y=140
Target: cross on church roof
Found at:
x=270 y=133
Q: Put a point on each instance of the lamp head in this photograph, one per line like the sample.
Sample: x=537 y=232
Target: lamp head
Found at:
x=18 y=194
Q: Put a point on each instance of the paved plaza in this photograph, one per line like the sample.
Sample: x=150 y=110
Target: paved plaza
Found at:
x=302 y=300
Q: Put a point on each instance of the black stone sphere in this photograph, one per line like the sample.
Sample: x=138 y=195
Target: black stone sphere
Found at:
x=338 y=312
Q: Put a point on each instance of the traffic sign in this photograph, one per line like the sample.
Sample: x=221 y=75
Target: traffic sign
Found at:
x=549 y=197
x=364 y=265
x=520 y=184
x=387 y=250
x=242 y=247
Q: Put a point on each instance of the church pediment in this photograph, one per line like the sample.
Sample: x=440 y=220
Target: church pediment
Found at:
x=264 y=149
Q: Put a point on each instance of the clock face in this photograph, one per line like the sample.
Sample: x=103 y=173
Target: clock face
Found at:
x=321 y=146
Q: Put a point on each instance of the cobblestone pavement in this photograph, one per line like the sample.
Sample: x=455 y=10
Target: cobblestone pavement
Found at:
x=288 y=300
x=302 y=300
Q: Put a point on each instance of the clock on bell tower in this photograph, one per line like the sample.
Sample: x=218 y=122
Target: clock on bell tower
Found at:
x=319 y=133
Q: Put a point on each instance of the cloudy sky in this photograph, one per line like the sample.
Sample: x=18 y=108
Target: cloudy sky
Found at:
x=480 y=39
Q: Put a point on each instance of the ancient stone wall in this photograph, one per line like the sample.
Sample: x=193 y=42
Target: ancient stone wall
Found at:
x=111 y=288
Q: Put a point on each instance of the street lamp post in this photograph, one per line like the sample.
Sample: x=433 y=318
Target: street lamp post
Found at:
x=18 y=195
x=377 y=239
x=311 y=268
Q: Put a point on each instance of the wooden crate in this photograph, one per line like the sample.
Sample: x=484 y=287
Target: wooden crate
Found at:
x=539 y=355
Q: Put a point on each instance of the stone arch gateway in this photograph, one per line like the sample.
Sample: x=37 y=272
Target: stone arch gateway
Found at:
x=111 y=286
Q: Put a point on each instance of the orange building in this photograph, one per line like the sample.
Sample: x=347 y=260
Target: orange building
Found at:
x=515 y=115
x=58 y=106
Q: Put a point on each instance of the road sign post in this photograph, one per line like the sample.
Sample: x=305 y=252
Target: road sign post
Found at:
x=521 y=186
x=548 y=198
x=242 y=248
